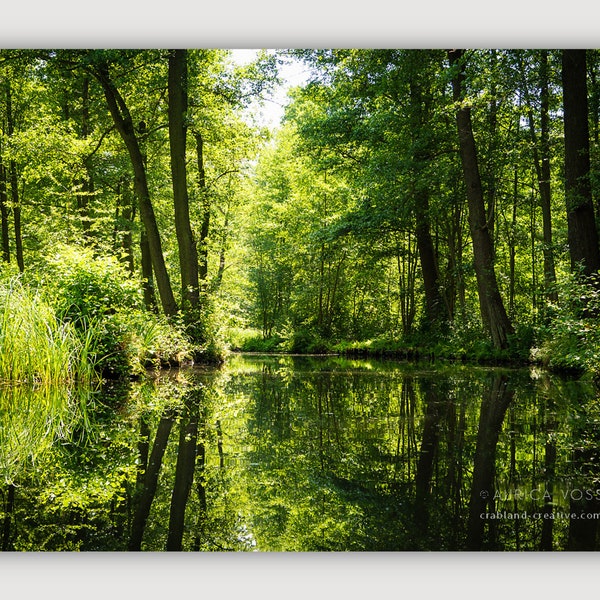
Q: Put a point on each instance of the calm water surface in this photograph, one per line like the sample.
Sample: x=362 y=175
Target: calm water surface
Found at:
x=281 y=453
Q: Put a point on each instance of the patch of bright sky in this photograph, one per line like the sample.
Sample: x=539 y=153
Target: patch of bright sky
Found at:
x=293 y=73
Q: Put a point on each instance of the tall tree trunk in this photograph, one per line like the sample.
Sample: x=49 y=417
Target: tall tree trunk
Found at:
x=205 y=202
x=435 y=307
x=582 y=232
x=4 y=213
x=147 y=275
x=178 y=106
x=14 y=183
x=544 y=180
x=541 y=162
x=492 y=307
x=123 y=229
x=124 y=124
x=87 y=184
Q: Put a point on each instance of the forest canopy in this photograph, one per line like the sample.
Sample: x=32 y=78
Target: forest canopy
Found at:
x=428 y=202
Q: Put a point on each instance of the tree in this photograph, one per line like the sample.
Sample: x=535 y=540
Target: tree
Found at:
x=178 y=107
x=100 y=68
x=492 y=307
x=583 y=234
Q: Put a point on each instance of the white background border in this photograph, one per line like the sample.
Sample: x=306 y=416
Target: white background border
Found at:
x=309 y=24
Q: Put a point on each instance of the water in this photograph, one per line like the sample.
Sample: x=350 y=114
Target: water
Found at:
x=281 y=453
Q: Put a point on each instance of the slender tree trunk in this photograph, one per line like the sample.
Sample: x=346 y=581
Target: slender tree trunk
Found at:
x=14 y=183
x=435 y=308
x=582 y=232
x=147 y=275
x=4 y=214
x=492 y=137
x=544 y=181
x=87 y=184
x=124 y=124
x=205 y=201
x=178 y=106
x=123 y=231
x=512 y=247
x=541 y=162
x=492 y=307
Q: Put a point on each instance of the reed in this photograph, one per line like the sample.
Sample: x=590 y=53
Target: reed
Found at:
x=34 y=345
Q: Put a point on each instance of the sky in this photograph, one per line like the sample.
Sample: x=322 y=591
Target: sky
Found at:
x=293 y=74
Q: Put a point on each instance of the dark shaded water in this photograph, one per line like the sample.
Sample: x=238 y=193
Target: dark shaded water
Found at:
x=285 y=453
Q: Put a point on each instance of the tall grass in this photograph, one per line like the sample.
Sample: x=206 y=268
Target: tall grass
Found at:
x=34 y=345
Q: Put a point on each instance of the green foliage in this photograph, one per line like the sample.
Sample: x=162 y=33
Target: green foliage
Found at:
x=84 y=286
x=255 y=342
x=306 y=341
x=570 y=338
x=35 y=345
x=102 y=301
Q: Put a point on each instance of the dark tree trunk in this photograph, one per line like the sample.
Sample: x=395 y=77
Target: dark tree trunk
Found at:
x=124 y=217
x=14 y=183
x=492 y=307
x=4 y=214
x=544 y=180
x=178 y=106
x=205 y=202
x=147 y=275
x=582 y=232
x=435 y=307
x=124 y=124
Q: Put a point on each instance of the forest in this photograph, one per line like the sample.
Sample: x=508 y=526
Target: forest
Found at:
x=372 y=326
x=427 y=203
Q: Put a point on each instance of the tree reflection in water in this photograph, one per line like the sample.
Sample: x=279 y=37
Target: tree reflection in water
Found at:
x=318 y=454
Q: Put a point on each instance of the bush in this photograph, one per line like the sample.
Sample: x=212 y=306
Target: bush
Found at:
x=104 y=304
x=259 y=344
x=84 y=287
x=305 y=341
x=570 y=338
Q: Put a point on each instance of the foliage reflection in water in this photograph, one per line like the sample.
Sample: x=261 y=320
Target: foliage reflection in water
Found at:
x=282 y=453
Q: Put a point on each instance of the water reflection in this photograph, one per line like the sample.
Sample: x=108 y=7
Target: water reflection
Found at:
x=313 y=454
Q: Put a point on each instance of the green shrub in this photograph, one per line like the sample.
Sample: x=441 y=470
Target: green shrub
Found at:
x=305 y=341
x=257 y=343
x=104 y=304
x=83 y=287
x=570 y=338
